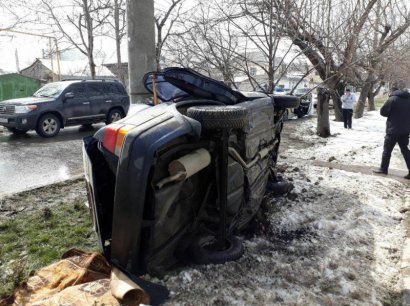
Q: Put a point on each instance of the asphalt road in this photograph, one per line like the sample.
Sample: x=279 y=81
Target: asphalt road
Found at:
x=29 y=161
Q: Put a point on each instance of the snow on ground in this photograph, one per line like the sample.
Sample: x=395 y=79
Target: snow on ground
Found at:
x=335 y=240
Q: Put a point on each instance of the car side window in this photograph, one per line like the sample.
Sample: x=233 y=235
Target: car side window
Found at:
x=96 y=89
x=112 y=89
x=78 y=90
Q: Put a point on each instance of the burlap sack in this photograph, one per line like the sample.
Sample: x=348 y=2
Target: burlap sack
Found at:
x=78 y=279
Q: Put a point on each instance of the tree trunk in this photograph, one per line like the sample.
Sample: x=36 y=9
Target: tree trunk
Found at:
x=120 y=72
x=370 y=99
x=323 y=125
x=363 y=96
x=337 y=91
x=90 y=37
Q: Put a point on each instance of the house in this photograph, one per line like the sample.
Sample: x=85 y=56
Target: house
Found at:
x=46 y=70
x=14 y=85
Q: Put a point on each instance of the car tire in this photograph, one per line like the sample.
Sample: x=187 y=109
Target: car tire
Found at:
x=48 y=126
x=17 y=131
x=203 y=251
x=219 y=117
x=114 y=115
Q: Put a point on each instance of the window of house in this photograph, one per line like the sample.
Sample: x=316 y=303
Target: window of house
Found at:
x=252 y=71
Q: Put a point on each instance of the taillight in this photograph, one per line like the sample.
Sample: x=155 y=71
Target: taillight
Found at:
x=114 y=135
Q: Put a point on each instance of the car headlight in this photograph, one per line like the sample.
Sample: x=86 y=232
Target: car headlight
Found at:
x=23 y=109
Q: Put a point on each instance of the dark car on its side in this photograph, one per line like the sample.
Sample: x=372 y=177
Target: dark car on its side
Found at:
x=66 y=103
x=178 y=180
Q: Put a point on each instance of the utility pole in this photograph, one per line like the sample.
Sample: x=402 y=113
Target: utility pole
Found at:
x=141 y=45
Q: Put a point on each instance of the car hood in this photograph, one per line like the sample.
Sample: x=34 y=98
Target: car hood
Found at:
x=26 y=101
x=174 y=83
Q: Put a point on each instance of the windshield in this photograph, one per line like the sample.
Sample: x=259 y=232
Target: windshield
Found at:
x=51 y=90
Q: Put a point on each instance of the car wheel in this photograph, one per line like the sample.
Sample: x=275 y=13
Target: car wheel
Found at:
x=17 y=131
x=114 y=115
x=48 y=126
x=204 y=250
x=219 y=117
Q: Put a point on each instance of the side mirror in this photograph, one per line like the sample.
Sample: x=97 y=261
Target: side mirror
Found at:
x=68 y=95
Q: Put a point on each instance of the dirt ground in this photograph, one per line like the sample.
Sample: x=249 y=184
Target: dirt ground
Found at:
x=334 y=240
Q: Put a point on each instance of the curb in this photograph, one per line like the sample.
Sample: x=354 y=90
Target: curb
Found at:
x=405 y=259
x=72 y=179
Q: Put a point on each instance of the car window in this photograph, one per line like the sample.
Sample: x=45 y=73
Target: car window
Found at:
x=78 y=90
x=112 y=89
x=51 y=90
x=96 y=89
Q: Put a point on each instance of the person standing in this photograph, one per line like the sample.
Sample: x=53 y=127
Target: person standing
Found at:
x=397 y=111
x=348 y=101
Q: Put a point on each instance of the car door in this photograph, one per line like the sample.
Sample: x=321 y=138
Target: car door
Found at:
x=97 y=99
x=113 y=95
x=77 y=107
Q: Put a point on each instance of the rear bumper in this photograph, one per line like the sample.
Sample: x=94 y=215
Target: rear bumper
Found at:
x=21 y=122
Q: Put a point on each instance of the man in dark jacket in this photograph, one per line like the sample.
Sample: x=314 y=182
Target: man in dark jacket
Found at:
x=397 y=111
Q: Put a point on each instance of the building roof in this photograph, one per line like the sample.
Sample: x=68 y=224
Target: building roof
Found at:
x=73 y=68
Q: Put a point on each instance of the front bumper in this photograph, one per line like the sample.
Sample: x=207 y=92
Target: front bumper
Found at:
x=19 y=121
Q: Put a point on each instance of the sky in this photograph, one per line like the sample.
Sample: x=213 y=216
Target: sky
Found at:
x=30 y=47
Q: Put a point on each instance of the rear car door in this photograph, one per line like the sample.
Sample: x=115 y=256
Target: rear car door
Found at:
x=113 y=94
x=77 y=109
x=98 y=99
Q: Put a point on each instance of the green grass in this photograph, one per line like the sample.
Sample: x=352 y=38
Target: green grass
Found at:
x=33 y=240
x=379 y=101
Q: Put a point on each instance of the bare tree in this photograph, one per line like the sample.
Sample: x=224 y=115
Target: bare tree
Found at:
x=257 y=24
x=207 y=44
x=328 y=39
x=79 y=25
x=117 y=22
x=166 y=16
x=386 y=25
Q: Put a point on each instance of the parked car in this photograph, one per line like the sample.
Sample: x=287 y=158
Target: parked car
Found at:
x=306 y=102
x=178 y=180
x=66 y=103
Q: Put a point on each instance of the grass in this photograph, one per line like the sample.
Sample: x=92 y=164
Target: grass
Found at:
x=379 y=101
x=30 y=241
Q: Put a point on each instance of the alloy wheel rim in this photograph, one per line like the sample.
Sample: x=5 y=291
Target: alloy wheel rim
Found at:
x=115 y=117
x=49 y=126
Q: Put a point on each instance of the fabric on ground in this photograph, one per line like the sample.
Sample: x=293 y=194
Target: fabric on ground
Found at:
x=79 y=278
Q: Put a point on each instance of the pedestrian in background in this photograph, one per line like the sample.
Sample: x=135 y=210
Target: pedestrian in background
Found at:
x=348 y=101
x=397 y=111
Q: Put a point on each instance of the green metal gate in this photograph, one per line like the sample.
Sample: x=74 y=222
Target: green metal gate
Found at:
x=14 y=86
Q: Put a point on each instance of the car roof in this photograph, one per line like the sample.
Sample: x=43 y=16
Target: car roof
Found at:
x=90 y=81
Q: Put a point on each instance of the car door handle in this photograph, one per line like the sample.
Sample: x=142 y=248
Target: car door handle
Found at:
x=108 y=101
x=86 y=102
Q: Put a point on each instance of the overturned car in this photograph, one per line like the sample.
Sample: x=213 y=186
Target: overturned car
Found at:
x=176 y=181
